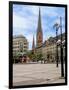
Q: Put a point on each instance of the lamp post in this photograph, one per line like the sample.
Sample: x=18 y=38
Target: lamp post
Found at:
x=56 y=25
x=62 y=67
x=58 y=43
x=63 y=44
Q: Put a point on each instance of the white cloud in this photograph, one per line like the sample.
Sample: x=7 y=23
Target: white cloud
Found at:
x=24 y=23
x=19 y=22
x=52 y=11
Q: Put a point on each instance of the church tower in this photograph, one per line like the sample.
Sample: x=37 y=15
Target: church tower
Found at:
x=39 y=35
x=33 y=46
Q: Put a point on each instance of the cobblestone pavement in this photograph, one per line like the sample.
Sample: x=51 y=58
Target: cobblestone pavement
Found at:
x=32 y=74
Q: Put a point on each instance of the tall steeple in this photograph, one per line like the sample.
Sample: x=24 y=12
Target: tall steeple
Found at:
x=33 y=46
x=39 y=36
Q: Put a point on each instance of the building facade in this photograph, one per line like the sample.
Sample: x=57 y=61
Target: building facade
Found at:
x=20 y=44
x=49 y=49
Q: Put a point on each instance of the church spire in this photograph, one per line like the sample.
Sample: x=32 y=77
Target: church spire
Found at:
x=39 y=36
x=39 y=28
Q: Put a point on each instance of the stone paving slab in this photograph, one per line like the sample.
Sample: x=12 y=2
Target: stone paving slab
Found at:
x=30 y=74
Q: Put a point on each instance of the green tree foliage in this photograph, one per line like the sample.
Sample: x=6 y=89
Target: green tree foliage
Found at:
x=35 y=56
x=39 y=57
x=16 y=57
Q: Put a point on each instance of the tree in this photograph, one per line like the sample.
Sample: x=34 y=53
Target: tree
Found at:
x=16 y=56
x=31 y=55
x=39 y=57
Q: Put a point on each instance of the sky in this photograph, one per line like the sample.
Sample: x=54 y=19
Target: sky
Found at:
x=25 y=21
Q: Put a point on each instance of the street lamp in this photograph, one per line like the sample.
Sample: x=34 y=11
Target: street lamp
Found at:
x=56 y=25
x=63 y=44
x=58 y=44
x=62 y=67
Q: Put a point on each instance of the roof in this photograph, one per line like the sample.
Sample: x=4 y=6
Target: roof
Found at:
x=18 y=36
x=52 y=40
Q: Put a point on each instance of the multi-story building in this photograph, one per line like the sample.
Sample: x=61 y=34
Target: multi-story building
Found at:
x=20 y=44
x=49 y=49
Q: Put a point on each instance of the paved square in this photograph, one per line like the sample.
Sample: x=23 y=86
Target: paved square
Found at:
x=31 y=74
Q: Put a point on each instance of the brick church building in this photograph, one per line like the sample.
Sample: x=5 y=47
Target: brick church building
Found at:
x=39 y=37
